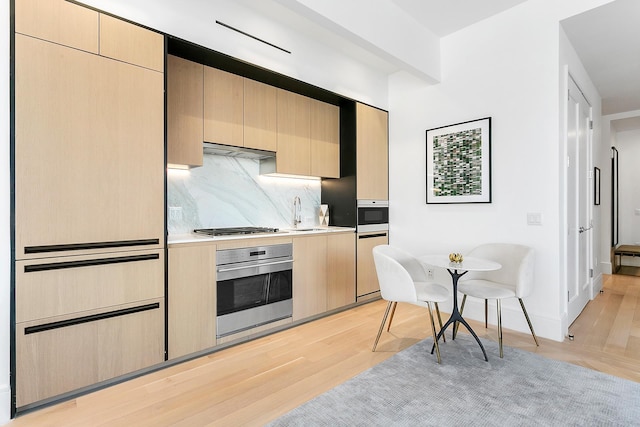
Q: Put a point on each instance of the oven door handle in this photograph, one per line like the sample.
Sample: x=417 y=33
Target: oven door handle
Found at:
x=223 y=270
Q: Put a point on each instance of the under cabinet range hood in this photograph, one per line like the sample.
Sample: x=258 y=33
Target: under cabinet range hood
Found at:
x=231 y=151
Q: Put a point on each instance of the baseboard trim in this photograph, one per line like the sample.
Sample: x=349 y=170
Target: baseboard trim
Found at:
x=5 y=404
x=513 y=318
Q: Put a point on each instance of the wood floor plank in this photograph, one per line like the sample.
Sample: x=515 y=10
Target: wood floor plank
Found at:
x=252 y=383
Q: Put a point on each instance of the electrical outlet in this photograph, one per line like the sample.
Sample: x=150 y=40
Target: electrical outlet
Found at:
x=175 y=213
x=430 y=273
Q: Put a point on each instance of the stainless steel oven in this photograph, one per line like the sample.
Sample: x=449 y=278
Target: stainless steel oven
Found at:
x=254 y=287
x=373 y=215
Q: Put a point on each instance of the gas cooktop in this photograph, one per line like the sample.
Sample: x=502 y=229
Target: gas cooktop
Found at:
x=228 y=231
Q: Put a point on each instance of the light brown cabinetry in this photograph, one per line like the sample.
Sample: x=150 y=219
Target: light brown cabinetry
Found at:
x=367 y=279
x=64 y=353
x=89 y=150
x=308 y=136
x=89 y=202
x=223 y=107
x=192 y=299
x=260 y=102
x=341 y=270
x=50 y=287
x=130 y=43
x=309 y=276
x=372 y=148
x=323 y=273
x=293 y=155
x=325 y=140
x=211 y=105
x=184 y=111
x=58 y=21
x=72 y=25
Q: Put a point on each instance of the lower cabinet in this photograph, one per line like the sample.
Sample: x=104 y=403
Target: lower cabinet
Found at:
x=192 y=299
x=64 y=353
x=49 y=287
x=341 y=270
x=309 y=276
x=367 y=285
x=82 y=319
x=323 y=273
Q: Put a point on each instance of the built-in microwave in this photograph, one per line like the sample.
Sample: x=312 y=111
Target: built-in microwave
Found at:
x=373 y=215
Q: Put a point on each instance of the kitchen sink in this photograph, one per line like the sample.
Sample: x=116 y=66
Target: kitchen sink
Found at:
x=306 y=229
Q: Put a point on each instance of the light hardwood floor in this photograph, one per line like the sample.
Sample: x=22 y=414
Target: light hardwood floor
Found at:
x=253 y=383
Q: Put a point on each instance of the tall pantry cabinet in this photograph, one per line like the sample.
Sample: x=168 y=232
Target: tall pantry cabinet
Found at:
x=89 y=198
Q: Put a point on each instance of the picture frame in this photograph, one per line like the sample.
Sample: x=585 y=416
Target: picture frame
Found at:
x=459 y=163
x=596 y=186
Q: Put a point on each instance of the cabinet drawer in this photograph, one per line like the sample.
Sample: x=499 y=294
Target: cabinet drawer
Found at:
x=58 y=286
x=65 y=353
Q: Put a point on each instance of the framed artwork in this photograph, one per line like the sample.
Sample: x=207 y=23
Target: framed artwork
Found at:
x=459 y=163
x=596 y=186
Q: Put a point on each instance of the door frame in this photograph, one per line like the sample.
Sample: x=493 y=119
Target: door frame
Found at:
x=568 y=78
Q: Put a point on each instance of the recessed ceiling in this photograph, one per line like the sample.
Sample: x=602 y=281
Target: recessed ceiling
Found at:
x=444 y=17
x=624 y=125
x=607 y=40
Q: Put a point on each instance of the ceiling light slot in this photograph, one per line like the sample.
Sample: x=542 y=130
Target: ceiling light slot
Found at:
x=252 y=36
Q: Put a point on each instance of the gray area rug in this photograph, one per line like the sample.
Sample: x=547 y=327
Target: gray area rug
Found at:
x=523 y=389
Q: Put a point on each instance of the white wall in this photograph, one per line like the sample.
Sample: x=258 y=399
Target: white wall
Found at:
x=628 y=145
x=5 y=210
x=506 y=67
x=309 y=60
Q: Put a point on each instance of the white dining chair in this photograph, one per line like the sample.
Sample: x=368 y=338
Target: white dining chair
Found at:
x=402 y=278
x=514 y=279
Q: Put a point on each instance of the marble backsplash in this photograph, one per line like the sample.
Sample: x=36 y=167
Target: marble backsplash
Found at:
x=230 y=192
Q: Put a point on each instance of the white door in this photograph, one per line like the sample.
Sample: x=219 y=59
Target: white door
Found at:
x=578 y=201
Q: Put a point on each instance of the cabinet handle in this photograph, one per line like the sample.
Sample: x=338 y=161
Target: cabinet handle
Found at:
x=224 y=270
x=91 y=318
x=90 y=245
x=369 y=236
x=88 y=263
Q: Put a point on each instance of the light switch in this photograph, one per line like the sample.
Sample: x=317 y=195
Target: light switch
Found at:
x=637 y=212
x=534 y=218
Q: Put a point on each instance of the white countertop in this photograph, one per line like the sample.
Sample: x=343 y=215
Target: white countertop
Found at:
x=284 y=232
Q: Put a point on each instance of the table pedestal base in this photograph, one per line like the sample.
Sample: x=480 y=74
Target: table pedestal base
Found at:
x=456 y=316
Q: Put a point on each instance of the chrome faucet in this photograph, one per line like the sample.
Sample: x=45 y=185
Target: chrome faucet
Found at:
x=297 y=211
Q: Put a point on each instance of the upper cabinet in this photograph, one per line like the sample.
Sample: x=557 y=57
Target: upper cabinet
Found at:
x=223 y=107
x=260 y=102
x=184 y=112
x=205 y=104
x=293 y=154
x=372 y=153
x=308 y=136
x=130 y=43
x=91 y=31
x=325 y=139
x=49 y=20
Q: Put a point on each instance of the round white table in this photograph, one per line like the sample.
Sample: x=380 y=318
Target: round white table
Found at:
x=457 y=270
